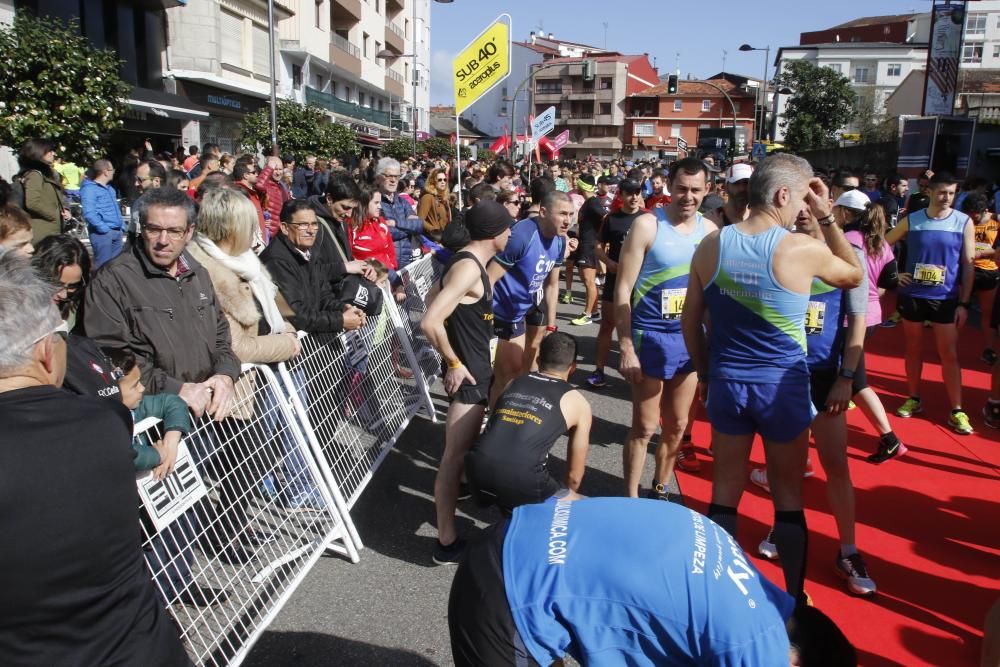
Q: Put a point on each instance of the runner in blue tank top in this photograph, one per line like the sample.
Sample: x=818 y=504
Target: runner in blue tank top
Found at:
x=936 y=286
x=753 y=280
x=649 y=296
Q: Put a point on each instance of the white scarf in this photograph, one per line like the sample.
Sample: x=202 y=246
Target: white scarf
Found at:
x=248 y=267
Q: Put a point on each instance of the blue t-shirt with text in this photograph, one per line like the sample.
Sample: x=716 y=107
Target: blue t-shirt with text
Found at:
x=528 y=257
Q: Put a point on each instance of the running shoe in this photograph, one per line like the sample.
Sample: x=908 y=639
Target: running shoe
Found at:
x=851 y=405
x=687 y=458
x=449 y=555
x=595 y=317
x=991 y=414
x=959 y=423
x=464 y=491
x=767 y=549
x=659 y=492
x=852 y=569
x=596 y=380
x=566 y=297
x=582 y=320
x=886 y=452
x=910 y=407
x=599 y=280
x=989 y=356
x=808 y=472
x=893 y=320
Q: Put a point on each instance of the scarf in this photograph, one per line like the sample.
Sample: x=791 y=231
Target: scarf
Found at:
x=248 y=268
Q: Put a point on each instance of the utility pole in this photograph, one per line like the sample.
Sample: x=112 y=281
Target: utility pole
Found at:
x=605 y=24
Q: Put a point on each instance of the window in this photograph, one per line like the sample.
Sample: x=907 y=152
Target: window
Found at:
x=605 y=83
x=364 y=44
x=836 y=67
x=319 y=13
x=706 y=105
x=996 y=51
x=895 y=69
x=296 y=77
x=232 y=39
x=972 y=53
x=347 y=93
x=261 y=52
x=503 y=109
x=378 y=6
x=378 y=47
x=645 y=130
x=319 y=82
x=704 y=126
x=406 y=28
x=588 y=86
x=863 y=75
x=333 y=87
x=675 y=131
x=677 y=105
x=605 y=108
x=361 y=99
x=975 y=24
x=548 y=87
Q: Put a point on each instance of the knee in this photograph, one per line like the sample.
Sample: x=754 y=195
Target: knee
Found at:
x=673 y=429
x=644 y=430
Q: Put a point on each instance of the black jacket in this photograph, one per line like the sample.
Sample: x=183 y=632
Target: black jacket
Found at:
x=174 y=326
x=307 y=285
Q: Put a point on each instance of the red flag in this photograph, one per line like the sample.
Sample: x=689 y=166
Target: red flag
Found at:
x=453 y=138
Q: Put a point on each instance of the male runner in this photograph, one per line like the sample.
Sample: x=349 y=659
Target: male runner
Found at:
x=508 y=464
x=523 y=275
x=835 y=356
x=459 y=324
x=649 y=295
x=736 y=208
x=620 y=581
x=590 y=216
x=612 y=235
x=936 y=286
x=753 y=278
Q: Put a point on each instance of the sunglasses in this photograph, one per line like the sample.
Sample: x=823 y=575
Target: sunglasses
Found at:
x=62 y=331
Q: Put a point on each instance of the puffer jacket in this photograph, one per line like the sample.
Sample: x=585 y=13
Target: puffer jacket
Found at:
x=100 y=207
x=407 y=229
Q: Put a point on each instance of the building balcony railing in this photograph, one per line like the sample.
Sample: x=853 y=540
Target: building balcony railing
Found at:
x=344 y=45
x=395 y=76
x=396 y=29
x=349 y=109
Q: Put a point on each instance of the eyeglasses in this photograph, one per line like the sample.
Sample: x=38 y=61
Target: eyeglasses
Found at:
x=173 y=233
x=62 y=330
x=302 y=225
x=72 y=287
x=392 y=176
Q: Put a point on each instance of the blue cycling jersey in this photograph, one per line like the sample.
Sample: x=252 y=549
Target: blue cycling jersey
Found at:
x=528 y=257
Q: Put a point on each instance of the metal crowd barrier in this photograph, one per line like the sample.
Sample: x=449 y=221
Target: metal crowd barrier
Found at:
x=418 y=279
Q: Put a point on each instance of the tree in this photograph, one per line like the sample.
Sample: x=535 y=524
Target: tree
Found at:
x=437 y=147
x=302 y=130
x=487 y=156
x=400 y=148
x=55 y=85
x=870 y=120
x=822 y=103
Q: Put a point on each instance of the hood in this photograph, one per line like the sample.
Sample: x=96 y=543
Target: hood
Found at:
x=319 y=205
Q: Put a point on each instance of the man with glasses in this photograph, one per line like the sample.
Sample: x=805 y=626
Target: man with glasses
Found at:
x=245 y=180
x=871 y=187
x=404 y=224
x=149 y=175
x=97 y=606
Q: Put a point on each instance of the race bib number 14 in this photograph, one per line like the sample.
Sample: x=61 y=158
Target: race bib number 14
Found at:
x=672 y=303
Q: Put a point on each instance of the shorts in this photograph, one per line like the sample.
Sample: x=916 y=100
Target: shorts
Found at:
x=821 y=382
x=915 y=309
x=585 y=258
x=779 y=411
x=474 y=394
x=507 y=486
x=608 y=291
x=661 y=355
x=984 y=281
x=481 y=626
x=535 y=317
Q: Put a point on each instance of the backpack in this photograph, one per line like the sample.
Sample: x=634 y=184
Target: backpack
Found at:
x=17 y=196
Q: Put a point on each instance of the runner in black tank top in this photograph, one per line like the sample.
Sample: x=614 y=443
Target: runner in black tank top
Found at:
x=509 y=464
x=470 y=328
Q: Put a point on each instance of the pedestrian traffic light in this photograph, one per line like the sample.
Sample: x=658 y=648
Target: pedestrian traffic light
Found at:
x=672 y=84
x=588 y=70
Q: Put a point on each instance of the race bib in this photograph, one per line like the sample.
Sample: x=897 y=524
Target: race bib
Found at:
x=672 y=303
x=929 y=274
x=815 y=316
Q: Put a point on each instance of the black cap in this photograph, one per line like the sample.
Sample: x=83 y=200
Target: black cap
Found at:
x=630 y=185
x=487 y=220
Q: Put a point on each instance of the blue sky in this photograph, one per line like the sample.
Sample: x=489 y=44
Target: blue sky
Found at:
x=699 y=31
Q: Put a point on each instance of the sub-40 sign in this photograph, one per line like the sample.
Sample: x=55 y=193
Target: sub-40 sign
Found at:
x=482 y=64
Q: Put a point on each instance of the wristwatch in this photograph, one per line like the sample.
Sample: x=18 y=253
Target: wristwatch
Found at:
x=846 y=373
x=827 y=221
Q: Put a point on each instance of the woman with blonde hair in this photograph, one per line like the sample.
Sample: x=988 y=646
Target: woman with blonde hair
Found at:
x=434 y=208
x=226 y=229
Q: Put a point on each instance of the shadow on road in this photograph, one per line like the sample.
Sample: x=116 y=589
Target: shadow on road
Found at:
x=305 y=649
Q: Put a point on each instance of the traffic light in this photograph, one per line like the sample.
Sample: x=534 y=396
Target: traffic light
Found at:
x=672 y=84
x=588 y=70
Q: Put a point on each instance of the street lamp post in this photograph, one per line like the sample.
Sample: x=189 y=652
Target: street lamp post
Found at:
x=762 y=135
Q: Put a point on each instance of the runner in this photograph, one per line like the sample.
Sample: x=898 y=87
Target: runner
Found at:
x=986 y=276
x=590 y=216
x=936 y=286
x=459 y=324
x=508 y=465
x=737 y=187
x=753 y=279
x=524 y=275
x=835 y=357
x=618 y=581
x=649 y=295
x=612 y=235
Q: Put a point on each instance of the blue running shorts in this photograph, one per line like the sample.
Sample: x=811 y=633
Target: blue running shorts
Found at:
x=778 y=411
x=661 y=355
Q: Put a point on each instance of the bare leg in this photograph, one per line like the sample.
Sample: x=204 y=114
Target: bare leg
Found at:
x=461 y=430
x=675 y=405
x=830 y=434
x=532 y=343
x=946 y=337
x=568 y=270
x=508 y=365
x=913 y=338
x=589 y=277
x=645 y=418
x=986 y=300
x=874 y=411
x=604 y=335
x=729 y=474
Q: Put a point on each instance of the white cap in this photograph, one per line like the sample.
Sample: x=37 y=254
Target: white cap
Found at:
x=855 y=199
x=738 y=172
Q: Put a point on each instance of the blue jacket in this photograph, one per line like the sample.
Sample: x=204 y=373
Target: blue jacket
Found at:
x=408 y=226
x=100 y=207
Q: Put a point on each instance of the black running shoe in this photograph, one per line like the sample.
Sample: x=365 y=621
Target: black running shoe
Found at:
x=449 y=555
x=464 y=492
x=991 y=414
x=886 y=452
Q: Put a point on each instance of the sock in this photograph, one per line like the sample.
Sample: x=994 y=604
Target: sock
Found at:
x=792 y=539
x=724 y=516
x=890 y=439
x=848 y=550
x=956 y=411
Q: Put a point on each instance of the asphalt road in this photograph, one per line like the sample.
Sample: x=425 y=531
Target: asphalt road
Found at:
x=391 y=608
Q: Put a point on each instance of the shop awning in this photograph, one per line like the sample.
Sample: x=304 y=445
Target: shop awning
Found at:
x=165 y=105
x=368 y=139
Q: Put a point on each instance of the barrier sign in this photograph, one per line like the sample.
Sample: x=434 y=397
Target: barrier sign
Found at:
x=482 y=64
x=166 y=499
x=543 y=124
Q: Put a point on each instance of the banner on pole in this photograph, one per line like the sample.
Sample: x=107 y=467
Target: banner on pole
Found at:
x=482 y=64
x=947 y=21
x=543 y=123
x=561 y=139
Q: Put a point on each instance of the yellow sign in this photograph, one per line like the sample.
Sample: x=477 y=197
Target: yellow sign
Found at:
x=482 y=64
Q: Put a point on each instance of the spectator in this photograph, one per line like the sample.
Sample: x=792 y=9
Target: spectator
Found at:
x=70 y=176
x=100 y=209
x=407 y=188
x=74 y=588
x=177 y=180
x=42 y=187
x=870 y=187
x=15 y=230
x=511 y=203
x=209 y=163
x=306 y=179
x=303 y=273
x=192 y=159
x=405 y=225
x=500 y=176
x=226 y=163
x=206 y=150
x=273 y=194
x=434 y=207
x=368 y=234
x=149 y=175
x=245 y=179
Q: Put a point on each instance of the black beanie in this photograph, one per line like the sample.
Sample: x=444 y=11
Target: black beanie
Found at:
x=487 y=220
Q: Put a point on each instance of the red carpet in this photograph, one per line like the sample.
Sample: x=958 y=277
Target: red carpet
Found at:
x=928 y=522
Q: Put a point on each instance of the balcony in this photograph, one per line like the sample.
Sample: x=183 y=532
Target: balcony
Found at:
x=344 y=12
x=396 y=5
x=394 y=39
x=344 y=54
x=548 y=94
x=338 y=106
x=394 y=83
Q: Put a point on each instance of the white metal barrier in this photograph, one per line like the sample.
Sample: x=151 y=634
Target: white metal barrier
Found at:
x=418 y=279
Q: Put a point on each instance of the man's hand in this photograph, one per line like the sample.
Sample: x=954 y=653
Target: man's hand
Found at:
x=456 y=377
x=572 y=244
x=275 y=162
x=167 y=448
x=839 y=396
x=818 y=199
x=961 y=315
x=361 y=268
x=628 y=366
x=354 y=318
x=905 y=279
x=65 y=214
x=197 y=397
x=222 y=396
